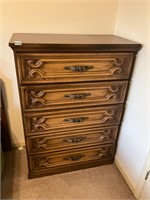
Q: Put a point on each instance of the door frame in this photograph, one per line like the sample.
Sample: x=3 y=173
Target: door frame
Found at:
x=142 y=181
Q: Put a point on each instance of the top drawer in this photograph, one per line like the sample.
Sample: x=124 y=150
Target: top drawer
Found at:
x=52 y=68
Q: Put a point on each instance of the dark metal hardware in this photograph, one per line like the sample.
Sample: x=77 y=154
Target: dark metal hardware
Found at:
x=74 y=158
x=74 y=140
x=147 y=175
x=76 y=120
x=79 y=68
x=77 y=96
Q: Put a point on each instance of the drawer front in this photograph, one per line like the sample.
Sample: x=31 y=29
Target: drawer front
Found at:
x=48 y=161
x=72 y=95
x=45 y=122
x=52 y=68
x=74 y=139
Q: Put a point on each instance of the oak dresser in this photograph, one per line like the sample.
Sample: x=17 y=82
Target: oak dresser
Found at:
x=73 y=90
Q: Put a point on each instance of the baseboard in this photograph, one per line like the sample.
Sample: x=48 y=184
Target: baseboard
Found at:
x=124 y=174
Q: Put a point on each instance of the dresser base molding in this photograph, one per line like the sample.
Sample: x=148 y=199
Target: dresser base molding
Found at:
x=70 y=168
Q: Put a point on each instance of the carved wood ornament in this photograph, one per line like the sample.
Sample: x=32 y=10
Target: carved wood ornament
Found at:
x=106 y=135
x=117 y=66
x=113 y=93
x=108 y=116
x=44 y=162
x=36 y=97
x=35 y=68
x=104 y=153
x=39 y=123
x=41 y=143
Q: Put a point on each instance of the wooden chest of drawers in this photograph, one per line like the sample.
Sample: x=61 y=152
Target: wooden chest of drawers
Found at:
x=73 y=90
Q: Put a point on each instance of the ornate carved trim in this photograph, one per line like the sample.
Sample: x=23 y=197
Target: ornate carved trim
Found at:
x=111 y=96
x=112 y=93
x=113 y=88
x=35 y=63
x=38 y=123
x=103 y=153
x=35 y=101
x=117 y=66
x=36 y=97
x=108 y=115
x=42 y=162
x=105 y=135
x=40 y=144
x=118 y=61
x=37 y=93
x=36 y=73
x=115 y=70
x=33 y=71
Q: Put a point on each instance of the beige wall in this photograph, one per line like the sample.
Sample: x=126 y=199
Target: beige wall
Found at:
x=127 y=18
x=57 y=16
x=134 y=142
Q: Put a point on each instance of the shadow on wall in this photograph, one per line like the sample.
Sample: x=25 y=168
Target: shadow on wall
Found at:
x=14 y=125
x=5 y=125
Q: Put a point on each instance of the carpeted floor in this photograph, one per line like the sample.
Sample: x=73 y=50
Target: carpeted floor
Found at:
x=104 y=182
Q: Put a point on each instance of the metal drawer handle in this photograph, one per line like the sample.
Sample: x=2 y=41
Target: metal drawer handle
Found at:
x=76 y=120
x=79 y=68
x=74 y=158
x=74 y=140
x=77 y=96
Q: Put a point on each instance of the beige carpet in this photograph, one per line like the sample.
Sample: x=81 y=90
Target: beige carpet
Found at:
x=104 y=182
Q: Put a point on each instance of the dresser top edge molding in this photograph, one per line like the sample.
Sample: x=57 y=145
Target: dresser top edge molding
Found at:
x=30 y=42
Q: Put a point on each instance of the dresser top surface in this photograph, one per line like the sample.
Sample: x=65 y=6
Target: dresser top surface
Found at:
x=21 y=40
x=33 y=38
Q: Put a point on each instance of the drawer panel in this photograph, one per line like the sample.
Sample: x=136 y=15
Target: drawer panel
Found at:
x=47 y=161
x=45 y=122
x=74 y=139
x=72 y=95
x=52 y=68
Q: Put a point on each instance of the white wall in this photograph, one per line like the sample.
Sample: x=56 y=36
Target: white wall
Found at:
x=134 y=141
x=57 y=16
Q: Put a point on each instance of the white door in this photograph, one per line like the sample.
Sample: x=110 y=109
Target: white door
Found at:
x=142 y=191
x=145 y=194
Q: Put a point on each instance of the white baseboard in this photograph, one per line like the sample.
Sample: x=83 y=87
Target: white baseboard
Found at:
x=124 y=174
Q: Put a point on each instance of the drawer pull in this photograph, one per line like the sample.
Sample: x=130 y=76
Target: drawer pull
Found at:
x=74 y=158
x=76 y=120
x=80 y=68
x=77 y=96
x=74 y=140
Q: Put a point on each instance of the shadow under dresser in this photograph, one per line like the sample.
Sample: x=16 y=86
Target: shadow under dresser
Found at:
x=73 y=90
